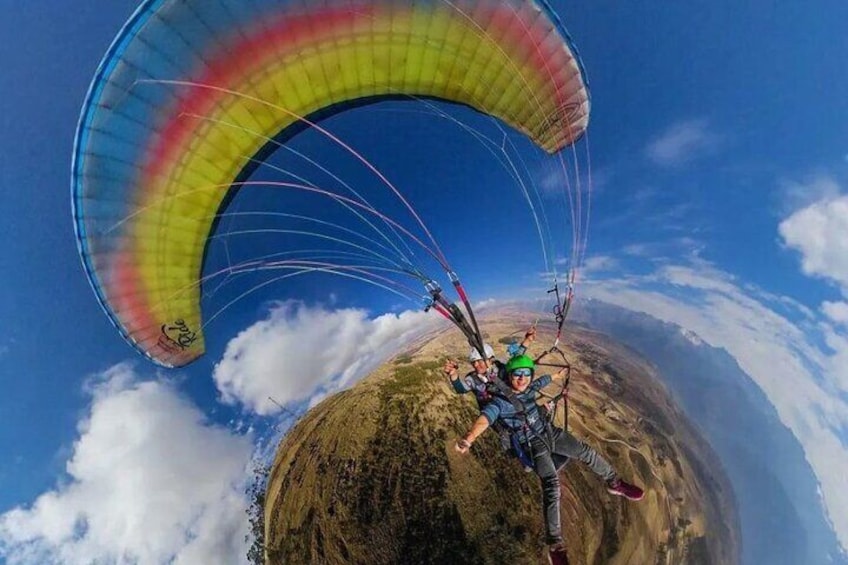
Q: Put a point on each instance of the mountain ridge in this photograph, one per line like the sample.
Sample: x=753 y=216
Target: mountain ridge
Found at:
x=771 y=477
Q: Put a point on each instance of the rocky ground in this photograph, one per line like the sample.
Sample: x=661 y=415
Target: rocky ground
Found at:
x=370 y=474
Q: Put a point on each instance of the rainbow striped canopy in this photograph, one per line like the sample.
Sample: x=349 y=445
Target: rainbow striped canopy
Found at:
x=191 y=92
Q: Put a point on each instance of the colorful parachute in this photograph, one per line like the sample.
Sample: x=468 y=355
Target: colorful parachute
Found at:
x=192 y=92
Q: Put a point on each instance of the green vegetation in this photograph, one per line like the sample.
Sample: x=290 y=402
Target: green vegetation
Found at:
x=370 y=476
x=255 y=492
x=396 y=500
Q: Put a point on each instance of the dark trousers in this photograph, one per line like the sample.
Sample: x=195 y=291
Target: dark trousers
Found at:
x=547 y=463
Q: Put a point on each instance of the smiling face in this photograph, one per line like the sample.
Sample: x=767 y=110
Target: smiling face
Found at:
x=479 y=366
x=519 y=379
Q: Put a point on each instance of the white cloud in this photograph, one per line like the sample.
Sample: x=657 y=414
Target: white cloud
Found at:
x=558 y=180
x=797 y=195
x=820 y=233
x=638 y=250
x=836 y=311
x=656 y=251
x=299 y=352
x=486 y=303
x=149 y=481
x=704 y=277
x=599 y=263
x=837 y=360
x=553 y=182
x=802 y=380
x=681 y=143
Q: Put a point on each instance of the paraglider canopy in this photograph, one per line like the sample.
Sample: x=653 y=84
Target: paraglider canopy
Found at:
x=193 y=93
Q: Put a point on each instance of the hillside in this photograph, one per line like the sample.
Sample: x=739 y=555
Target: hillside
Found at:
x=370 y=475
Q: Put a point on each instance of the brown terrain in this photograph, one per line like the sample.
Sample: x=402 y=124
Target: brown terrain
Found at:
x=370 y=475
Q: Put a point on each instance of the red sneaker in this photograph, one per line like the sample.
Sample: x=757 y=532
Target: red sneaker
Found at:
x=628 y=491
x=557 y=554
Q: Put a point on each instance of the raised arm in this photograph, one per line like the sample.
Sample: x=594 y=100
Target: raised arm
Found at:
x=529 y=337
x=544 y=380
x=451 y=369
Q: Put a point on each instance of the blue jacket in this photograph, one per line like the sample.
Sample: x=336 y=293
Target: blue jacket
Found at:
x=527 y=425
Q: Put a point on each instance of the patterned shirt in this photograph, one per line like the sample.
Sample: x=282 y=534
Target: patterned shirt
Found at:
x=531 y=422
x=479 y=384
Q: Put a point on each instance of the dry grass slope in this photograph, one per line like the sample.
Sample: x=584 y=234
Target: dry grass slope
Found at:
x=370 y=475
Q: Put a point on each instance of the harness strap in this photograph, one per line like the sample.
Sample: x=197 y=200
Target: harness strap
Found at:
x=563 y=393
x=478 y=341
x=452 y=312
x=562 y=306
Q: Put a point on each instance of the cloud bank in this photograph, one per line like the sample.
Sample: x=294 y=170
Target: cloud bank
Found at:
x=149 y=481
x=798 y=357
x=301 y=353
x=800 y=378
x=836 y=311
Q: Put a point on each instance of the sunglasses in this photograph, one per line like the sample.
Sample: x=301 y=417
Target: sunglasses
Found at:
x=522 y=373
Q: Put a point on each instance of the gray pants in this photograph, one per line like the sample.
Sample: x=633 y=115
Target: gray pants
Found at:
x=547 y=463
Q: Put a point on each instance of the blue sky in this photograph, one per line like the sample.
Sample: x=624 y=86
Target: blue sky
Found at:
x=719 y=159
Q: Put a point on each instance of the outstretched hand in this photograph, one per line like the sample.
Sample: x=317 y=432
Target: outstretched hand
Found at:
x=450 y=368
x=462 y=445
x=529 y=336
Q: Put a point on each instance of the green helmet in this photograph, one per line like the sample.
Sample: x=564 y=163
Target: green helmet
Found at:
x=520 y=362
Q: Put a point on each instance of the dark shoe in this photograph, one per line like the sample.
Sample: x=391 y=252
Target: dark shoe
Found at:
x=628 y=491
x=557 y=554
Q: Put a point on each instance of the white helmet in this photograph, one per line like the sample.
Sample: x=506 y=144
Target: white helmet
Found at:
x=475 y=355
